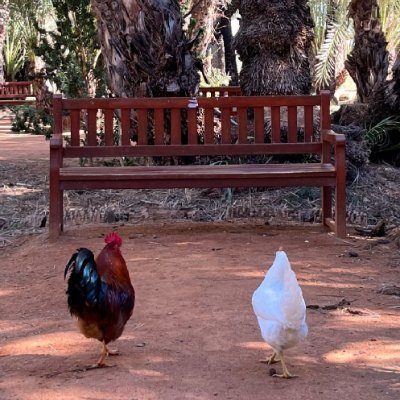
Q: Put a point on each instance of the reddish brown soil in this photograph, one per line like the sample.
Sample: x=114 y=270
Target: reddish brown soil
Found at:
x=193 y=334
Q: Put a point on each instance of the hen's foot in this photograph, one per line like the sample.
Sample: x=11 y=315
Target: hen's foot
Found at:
x=285 y=375
x=270 y=360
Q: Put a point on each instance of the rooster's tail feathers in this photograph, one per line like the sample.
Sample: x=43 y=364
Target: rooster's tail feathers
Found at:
x=84 y=284
x=79 y=260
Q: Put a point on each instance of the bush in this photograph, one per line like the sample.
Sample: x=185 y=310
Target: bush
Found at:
x=30 y=120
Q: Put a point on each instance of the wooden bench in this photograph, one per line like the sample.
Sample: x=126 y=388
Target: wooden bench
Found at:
x=157 y=129
x=16 y=93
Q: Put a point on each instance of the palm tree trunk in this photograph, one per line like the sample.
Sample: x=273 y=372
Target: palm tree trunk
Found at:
x=274 y=45
x=204 y=18
x=4 y=16
x=368 y=62
x=144 y=48
x=225 y=29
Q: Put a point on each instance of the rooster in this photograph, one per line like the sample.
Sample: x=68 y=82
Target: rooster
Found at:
x=100 y=293
x=280 y=309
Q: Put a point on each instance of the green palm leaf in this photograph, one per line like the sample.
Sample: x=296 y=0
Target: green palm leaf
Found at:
x=336 y=35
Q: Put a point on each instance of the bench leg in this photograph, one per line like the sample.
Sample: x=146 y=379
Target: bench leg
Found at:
x=326 y=204
x=56 y=213
x=340 y=209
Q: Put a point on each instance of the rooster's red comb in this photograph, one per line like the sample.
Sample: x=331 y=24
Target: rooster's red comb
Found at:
x=280 y=248
x=113 y=237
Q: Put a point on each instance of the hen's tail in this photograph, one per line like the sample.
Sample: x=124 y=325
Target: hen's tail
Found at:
x=85 y=288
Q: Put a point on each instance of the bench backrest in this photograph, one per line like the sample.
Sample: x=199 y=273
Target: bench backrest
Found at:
x=169 y=126
x=16 y=90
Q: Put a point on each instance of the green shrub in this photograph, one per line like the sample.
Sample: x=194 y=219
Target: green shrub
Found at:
x=30 y=120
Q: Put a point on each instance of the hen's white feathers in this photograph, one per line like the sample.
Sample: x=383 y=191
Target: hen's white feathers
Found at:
x=279 y=305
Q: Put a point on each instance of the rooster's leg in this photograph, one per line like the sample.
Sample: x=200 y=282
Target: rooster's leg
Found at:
x=112 y=352
x=270 y=360
x=101 y=363
x=104 y=352
x=286 y=374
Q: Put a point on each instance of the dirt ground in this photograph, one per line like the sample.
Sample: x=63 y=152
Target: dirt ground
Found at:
x=193 y=334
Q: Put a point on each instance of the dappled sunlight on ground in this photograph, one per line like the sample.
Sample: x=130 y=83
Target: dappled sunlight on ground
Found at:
x=369 y=354
x=193 y=334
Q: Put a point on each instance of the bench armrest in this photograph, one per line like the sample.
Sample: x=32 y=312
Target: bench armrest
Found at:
x=334 y=138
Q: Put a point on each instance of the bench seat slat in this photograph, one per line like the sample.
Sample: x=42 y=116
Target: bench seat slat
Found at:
x=176 y=171
x=202 y=176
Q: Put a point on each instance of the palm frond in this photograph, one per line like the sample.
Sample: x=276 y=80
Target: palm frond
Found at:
x=336 y=35
x=14 y=51
x=319 y=14
x=378 y=133
x=390 y=16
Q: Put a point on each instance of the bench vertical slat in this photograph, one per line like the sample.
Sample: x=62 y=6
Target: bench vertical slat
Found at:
x=159 y=126
x=176 y=126
x=75 y=117
x=225 y=125
x=292 y=124
x=308 y=124
x=209 y=126
x=125 y=126
x=108 y=127
x=192 y=126
x=275 y=124
x=142 y=126
x=242 y=116
x=92 y=127
x=259 y=124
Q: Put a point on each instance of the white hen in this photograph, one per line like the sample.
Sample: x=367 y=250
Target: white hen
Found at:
x=280 y=309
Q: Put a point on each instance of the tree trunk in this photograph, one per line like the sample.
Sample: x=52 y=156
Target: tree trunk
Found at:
x=144 y=48
x=368 y=62
x=225 y=29
x=203 y=17
x=4 y=16
x=274 y=44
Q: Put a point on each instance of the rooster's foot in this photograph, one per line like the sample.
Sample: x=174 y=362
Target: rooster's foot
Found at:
x=112 y=352
x=98 y=365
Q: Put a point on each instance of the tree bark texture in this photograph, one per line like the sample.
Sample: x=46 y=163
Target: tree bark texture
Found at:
x=224 y=28
x=144 y=48
x=274 y=45
x=368 y=62
x=203 y=19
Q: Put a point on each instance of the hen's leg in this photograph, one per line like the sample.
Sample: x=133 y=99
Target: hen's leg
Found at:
x=270 y=360
x=286 y=374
